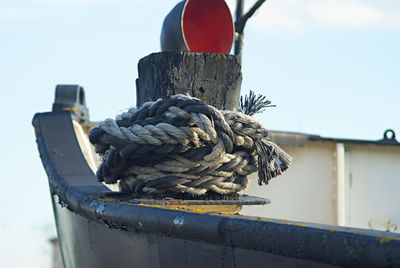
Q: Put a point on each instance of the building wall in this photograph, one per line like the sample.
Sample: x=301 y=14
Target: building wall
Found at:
x=308 y=190
x=373 y=179
x=305 y=192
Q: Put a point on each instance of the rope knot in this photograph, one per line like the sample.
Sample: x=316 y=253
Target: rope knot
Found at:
x=182 y=145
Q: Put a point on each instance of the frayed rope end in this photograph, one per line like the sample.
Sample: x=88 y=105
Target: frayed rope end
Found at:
x=272 y=160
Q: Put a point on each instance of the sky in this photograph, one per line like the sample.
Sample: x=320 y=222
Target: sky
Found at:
x=331 y=67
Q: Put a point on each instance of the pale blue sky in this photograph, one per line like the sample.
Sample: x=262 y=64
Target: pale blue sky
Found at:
x=332 y=67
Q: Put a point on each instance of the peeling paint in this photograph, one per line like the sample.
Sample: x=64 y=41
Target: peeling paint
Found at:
x=36 y=127
x=228 y=210
x=178 y=221
x=93 y=203
x=359 y=232
x=105 y=199
x=70 y=109
x=262 y=219
x=63 y=204
x=149 y=205
x=100 y=210
x=384 y=239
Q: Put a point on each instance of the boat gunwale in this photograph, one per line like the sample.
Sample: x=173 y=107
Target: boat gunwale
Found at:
x=79 y=191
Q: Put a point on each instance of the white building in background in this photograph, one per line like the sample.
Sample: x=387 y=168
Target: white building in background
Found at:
x=344 y=182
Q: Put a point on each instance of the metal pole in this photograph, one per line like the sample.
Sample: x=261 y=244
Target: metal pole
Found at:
x=239 y=35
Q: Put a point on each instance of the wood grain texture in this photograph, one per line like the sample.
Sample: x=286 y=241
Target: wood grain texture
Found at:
x=214 y=78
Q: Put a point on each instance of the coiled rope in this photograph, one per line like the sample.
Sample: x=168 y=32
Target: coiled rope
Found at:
x=180 y=144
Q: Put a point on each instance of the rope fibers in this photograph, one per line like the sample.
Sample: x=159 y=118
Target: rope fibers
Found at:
x=180 y=144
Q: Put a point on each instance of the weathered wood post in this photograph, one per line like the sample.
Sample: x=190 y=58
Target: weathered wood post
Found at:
x=211 y=77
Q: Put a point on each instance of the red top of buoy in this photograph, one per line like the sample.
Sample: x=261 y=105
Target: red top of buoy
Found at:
x=207 y=26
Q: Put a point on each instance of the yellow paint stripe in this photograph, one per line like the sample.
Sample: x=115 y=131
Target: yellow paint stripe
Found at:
x=70 y=109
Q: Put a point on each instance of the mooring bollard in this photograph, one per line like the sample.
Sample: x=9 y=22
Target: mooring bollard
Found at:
x=213 y=78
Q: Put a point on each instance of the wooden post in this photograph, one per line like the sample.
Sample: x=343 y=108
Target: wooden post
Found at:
x=214 y=78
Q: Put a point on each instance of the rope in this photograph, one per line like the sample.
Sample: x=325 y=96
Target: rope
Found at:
x=180 y=144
